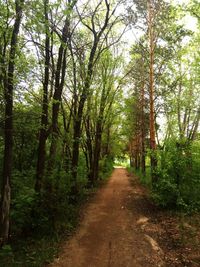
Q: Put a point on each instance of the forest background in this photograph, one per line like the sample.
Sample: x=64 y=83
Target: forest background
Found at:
x=83 y=83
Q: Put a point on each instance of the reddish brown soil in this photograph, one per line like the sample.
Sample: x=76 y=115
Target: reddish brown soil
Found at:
x=121 y=228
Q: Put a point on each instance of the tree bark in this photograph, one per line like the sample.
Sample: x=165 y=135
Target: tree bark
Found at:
x=143 y=165
x=151 y=90
x=44 y=119
x=97 y=151
x=79 y=116
x=59 y=84
x=8 y=148
x=85 y=90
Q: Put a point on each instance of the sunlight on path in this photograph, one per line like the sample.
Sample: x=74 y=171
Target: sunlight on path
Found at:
x=119 y=167
x=110 y=234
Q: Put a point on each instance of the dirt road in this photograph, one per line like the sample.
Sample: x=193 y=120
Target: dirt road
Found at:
x=111 y=233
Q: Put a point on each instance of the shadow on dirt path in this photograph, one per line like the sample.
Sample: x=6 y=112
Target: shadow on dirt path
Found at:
x=111 y=232
x=121 y=227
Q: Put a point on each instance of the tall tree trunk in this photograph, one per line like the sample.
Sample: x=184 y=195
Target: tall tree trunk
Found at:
x=89 y=148
x=97 y=151
x=78 y=119
x=79 y=115
x=143 y=165
x=44 y=118
x=61 y=67
x=107 y=146
x=151 y=90
x=59 y=84
x=98 y=134
x=193 y=131
x=7 y=163
x=180 y=85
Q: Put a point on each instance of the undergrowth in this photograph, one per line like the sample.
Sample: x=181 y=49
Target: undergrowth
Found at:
x=40 y=222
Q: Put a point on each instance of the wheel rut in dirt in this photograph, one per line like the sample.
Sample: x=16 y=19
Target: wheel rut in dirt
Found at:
x=110 y=234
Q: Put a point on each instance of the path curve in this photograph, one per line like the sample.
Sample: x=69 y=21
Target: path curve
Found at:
x=111 y=235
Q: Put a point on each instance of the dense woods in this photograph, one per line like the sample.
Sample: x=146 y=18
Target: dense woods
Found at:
x=73 y=100
x=164 y=103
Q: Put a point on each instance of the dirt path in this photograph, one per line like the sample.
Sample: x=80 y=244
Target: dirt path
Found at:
x=111 y=233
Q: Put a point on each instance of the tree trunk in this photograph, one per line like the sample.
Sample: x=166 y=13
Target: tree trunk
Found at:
x=143 y=166
x=79 y=115
x=59 y=84
x=97 y=151
x=89 y=148
x=151 y=91
x=7 y=163
x=98 y=135
x=78 y=119
x=44 y=118
x=76 y=142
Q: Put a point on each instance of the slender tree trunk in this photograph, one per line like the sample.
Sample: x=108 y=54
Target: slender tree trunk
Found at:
x=178 y=103
x=56 y=106
x=97 y=151
x=195 y=126
x=143 y=165
x=89 y=148
x=44 y=118
x=59 y=84
x=7 y=163
x=66 y=148
x=151 y=91
x=78 y=119
x=76 y=142
x=98 y=135
x=79 y=115
x=107 y=148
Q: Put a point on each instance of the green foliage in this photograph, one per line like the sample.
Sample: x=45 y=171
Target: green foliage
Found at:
x=39 y=219
x=178 y=175
x=82 y=172
x=23 y=199
x=6 y=255
x=21 y=213
x=26 y=124
x=29 y=252
x=165 y=192
x=144 y=179
x=106 y=167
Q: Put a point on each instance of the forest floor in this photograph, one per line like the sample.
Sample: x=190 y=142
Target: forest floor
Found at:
x=121 y=227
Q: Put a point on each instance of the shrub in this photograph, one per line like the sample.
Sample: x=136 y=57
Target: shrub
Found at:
x=105 y=167
x=178 y=173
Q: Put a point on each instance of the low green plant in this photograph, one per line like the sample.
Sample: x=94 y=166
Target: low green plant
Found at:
x=105 y=167
x=6 y=255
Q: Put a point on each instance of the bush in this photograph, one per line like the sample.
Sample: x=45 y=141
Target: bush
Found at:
x=6 y=255
x=105 y=167
x=178 y=173
x=23 y=202
x=21 y=211
x=165 y=192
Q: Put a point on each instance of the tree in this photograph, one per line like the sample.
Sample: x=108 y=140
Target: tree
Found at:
x=152 y=44
x=99 y=105
x=8 y=130
x=137 y=106
x=44 y=117
x=100 y=31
